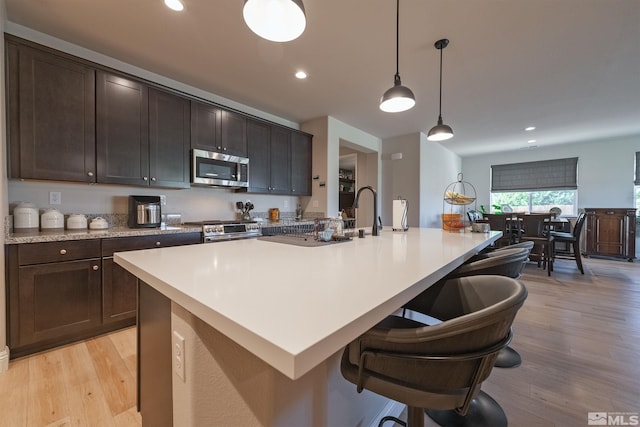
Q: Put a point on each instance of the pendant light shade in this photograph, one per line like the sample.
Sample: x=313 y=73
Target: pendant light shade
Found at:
x=440 y=132
x=398 y=98
x=275 y=20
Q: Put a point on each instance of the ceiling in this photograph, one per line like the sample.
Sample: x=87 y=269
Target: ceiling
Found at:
x=571 y=68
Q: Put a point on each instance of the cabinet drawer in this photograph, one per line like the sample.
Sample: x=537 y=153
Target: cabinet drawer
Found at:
x=122 y=244
x=40 y=253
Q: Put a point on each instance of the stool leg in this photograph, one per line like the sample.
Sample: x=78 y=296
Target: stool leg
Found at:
x=484 y=412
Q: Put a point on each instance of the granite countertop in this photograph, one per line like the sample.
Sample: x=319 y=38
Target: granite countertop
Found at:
x=62 y=235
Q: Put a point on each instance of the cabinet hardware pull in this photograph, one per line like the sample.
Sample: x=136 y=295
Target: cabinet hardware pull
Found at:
x=95 y=268
x=153 y=178
x=63 y=251
x=89 y=173
x=144 y=178
x=158 y=243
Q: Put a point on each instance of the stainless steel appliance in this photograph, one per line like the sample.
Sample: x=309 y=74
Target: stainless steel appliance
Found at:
x=144 y=211
x=220 y=230
x=218 y=169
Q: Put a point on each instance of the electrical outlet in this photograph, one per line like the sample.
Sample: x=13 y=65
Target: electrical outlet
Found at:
x=163 y=200
x=178 y=355
x=55 y=198
x=286 y=204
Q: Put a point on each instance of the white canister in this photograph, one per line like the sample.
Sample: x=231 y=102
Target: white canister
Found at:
x=51 y=219
x=76 y=222
x=98 y=223
x=26 y=216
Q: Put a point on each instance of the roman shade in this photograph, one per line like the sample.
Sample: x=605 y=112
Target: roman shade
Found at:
x=557 y=174
x=637 y=180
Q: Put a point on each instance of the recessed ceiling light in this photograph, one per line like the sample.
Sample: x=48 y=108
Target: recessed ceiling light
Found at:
x=174 y=5
x=301 y=74
x=531 y=141
x=530 y=128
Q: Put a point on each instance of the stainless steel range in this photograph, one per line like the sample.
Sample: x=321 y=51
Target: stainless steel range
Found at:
x=220 y=230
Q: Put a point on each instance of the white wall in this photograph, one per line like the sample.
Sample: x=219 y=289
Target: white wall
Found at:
x=421 y=176
x=439 y=167
x=328 y=135
x=605 y=170
x=401 y=177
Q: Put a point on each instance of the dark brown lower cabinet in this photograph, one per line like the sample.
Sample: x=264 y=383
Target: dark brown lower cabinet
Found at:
x=611 y=232
x=60 y=292
x=54 y=294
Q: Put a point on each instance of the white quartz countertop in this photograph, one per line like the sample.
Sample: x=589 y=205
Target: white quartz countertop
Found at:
x=295 y=306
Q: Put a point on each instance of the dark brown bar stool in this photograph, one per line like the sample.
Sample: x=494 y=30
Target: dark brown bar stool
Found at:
x=441 y=367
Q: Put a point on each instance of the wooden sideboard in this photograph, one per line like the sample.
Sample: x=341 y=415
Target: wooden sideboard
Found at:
x=611 y=232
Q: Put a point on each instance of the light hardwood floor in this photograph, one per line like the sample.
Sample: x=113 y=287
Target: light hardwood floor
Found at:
x=579 y=337
x=87 y=384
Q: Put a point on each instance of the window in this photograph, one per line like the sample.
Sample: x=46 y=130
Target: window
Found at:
x=536 y=186
x=537 y=201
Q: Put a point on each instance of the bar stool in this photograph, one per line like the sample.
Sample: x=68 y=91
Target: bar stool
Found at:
x=441 y=367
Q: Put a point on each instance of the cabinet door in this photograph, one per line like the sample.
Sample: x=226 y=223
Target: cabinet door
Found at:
x=119 y=293
x=610 y=234
x=169 y=140
x=51 y=116
x=57 y=300
x=280 y=171
x=205 y=126
x=258 y=135
x=122 y=130
x=300 y=164
x=233 y=134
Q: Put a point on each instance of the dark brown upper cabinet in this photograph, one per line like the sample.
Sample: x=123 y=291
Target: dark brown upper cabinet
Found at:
x=169 y=139
x=279 y=160
x=258 y=143
x=300 y=164
x=143 y=134
x=51 y=121
x=218 y=130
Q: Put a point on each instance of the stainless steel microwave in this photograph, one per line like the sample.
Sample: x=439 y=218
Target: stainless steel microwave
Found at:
x=220 y=170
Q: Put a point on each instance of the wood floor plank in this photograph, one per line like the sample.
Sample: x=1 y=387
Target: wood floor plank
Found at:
x=14 y=393
x=47 y=403
x=118 y=384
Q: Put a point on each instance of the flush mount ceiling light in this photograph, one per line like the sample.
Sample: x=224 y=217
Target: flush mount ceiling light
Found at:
x=275 y=20
x=174 y=5
x=440 y=132
x=398 y=98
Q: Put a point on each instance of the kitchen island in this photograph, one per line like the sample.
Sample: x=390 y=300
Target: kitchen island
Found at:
x=264 y=323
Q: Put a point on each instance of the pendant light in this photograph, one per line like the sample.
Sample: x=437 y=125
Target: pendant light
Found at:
x=440 y=132
x=398 y=98
x=275 y=20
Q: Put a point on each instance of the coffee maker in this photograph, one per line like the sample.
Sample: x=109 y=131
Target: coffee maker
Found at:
x=144 y=211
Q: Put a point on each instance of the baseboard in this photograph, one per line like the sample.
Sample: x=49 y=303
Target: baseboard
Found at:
x=4 y=359
x=392 y=408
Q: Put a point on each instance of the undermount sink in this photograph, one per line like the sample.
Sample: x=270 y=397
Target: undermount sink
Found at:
x=306 y=241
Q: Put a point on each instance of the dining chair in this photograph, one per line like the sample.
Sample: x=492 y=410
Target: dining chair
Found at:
x=535 y=228
x=500 y=222
x=574 y=239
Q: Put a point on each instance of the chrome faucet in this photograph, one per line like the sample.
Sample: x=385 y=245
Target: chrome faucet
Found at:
x=374 y=229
